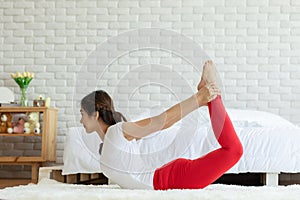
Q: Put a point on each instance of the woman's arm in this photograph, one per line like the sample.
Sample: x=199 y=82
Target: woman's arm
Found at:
x=166 y=119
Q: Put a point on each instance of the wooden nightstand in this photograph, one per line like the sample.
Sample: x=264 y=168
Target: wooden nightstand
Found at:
x=47 y=137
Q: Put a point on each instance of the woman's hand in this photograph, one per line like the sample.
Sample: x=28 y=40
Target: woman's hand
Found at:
x=207 y=94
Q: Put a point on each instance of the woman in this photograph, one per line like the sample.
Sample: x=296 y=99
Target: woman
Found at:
x=118 y=136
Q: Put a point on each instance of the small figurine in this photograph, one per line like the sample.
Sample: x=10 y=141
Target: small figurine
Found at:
x=47 y=103
x=32 y=125
x=39 y=102
x=5 y=123
x=17 y=127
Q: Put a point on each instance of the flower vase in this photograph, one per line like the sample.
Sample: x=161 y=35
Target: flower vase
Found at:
x=23 y=81
x=23 y=97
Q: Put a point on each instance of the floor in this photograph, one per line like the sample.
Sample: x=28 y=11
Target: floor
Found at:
x=239 y=179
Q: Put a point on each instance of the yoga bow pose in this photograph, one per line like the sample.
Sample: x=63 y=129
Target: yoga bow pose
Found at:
x=119 y=140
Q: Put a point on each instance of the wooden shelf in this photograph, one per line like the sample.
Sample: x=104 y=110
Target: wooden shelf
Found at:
x=13 y=182
x=24 y=109
x=49 y=126
x=21 y=134
x=20 y=159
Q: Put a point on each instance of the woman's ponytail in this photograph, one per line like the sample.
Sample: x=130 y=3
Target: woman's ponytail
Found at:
x=99 y=101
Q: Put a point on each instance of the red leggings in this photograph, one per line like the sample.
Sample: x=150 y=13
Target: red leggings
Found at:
x=199 y=173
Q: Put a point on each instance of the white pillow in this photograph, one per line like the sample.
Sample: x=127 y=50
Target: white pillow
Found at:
x=81 y=152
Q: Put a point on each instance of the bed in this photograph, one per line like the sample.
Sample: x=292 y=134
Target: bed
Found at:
x=271 y=145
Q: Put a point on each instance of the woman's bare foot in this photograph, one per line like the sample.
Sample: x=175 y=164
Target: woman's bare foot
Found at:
x=209 y=75
x=209 y=82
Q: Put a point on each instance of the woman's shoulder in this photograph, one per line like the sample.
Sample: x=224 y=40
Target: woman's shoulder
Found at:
x=115 y=135
x=116 y=131
x=116 y=128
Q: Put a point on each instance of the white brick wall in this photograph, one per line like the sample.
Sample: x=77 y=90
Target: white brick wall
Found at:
x=256 y=46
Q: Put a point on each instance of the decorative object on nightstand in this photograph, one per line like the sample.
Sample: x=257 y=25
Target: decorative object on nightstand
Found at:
x=7 y=97
x=23 y=81
x=39 y=102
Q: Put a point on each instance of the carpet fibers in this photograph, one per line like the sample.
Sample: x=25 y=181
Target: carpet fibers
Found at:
x=50 y=189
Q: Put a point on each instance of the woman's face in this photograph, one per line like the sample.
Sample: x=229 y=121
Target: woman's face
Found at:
x=90 y=123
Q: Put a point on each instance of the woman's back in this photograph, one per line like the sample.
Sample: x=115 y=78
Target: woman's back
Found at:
x=131 y=164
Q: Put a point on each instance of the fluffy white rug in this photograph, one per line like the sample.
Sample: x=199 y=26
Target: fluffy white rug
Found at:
x=50 y=189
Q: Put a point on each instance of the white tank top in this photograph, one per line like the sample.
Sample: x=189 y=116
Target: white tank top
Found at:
x=118 y=162
x=131 y=164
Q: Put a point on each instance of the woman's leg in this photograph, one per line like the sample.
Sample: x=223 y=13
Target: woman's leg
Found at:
x=198 y=173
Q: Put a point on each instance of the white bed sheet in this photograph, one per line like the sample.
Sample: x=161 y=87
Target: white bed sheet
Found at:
x=269 y=150
x=271 y=145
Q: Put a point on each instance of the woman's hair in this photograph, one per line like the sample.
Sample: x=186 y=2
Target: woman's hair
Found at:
x=99 y=101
